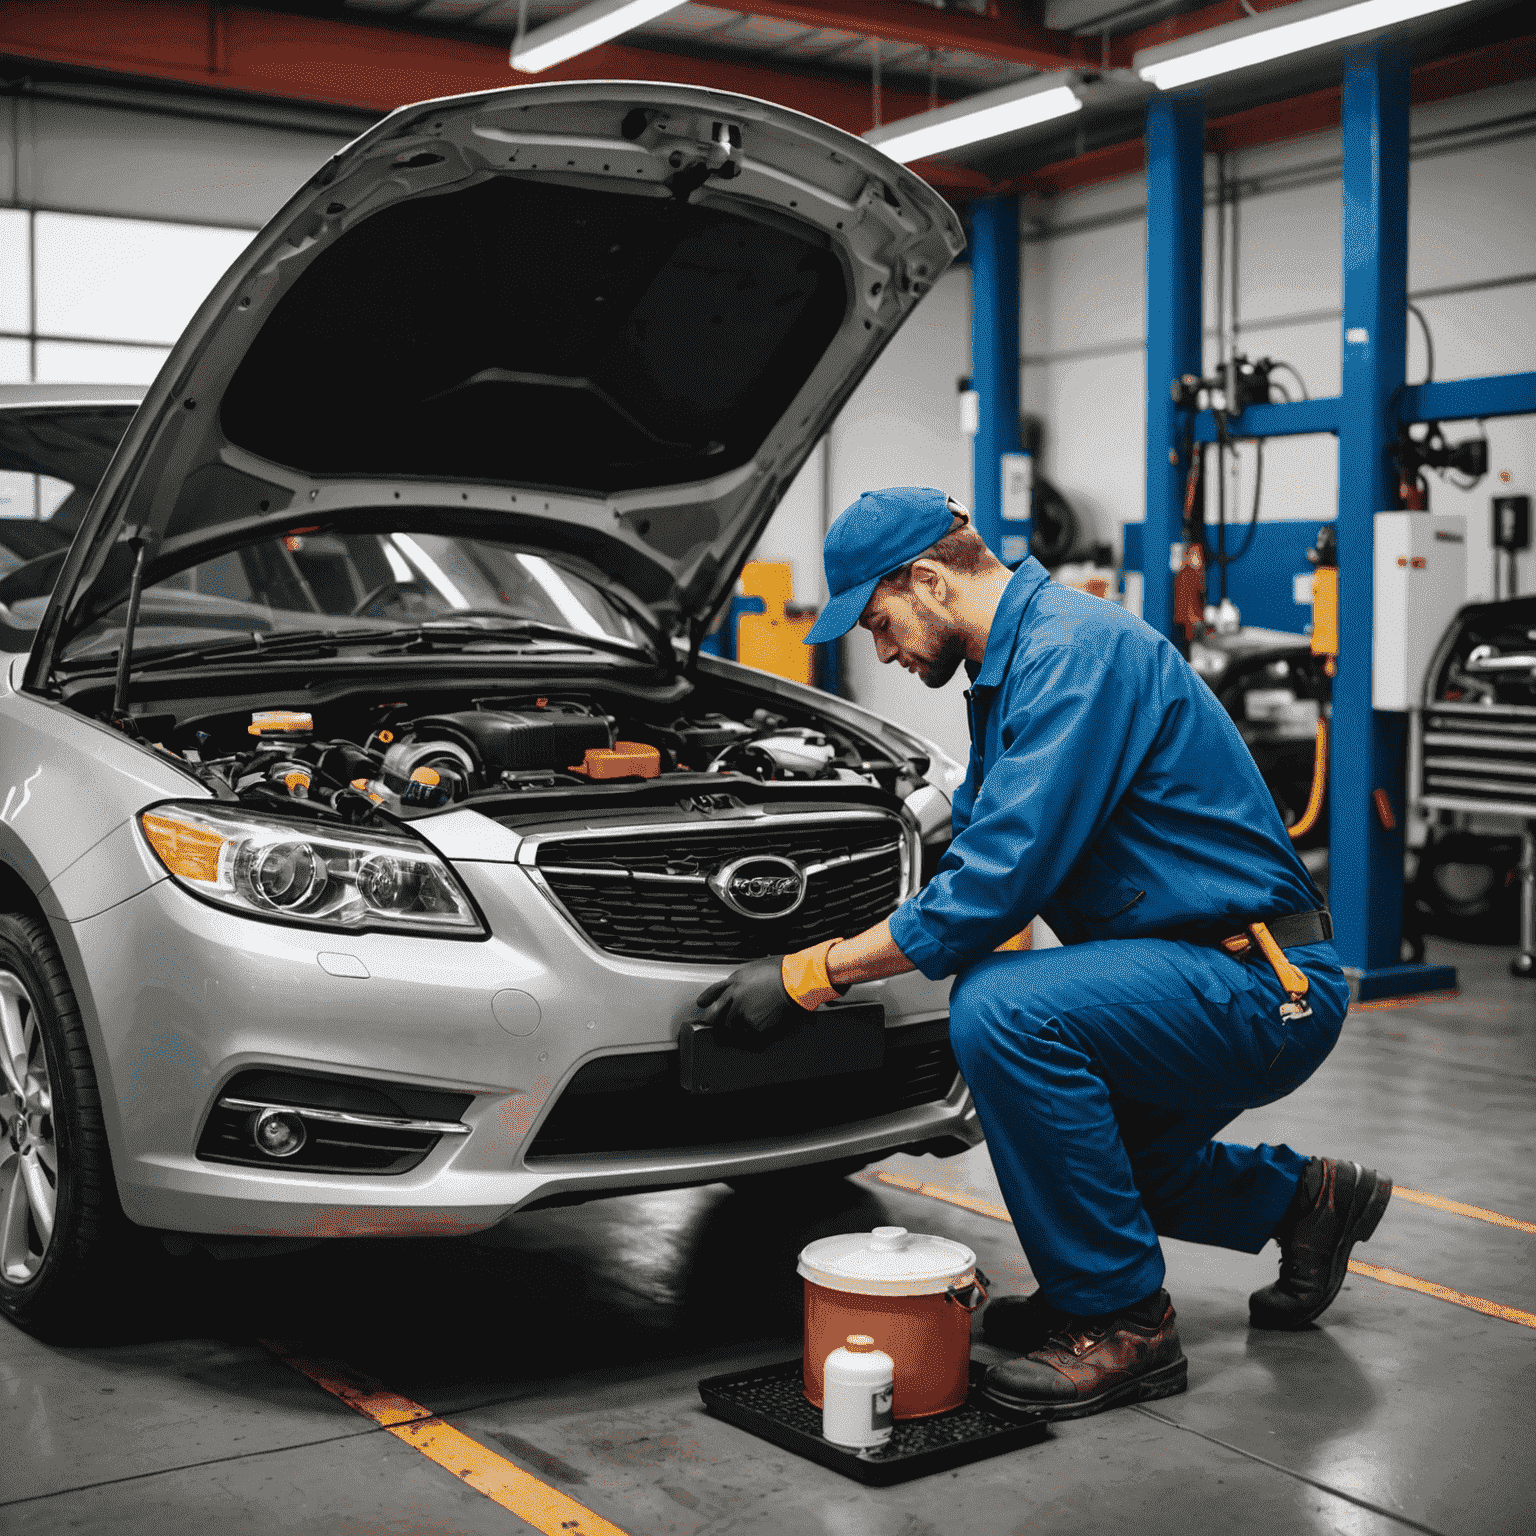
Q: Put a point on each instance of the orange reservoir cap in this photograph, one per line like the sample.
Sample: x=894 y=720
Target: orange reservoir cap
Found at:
x=280 y=722
x=623 y=760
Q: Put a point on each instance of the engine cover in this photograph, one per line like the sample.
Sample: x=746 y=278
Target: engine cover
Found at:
x=516 y=739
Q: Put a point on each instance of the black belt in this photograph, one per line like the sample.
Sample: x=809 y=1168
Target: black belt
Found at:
x=1290 y=931
x=1298 y=928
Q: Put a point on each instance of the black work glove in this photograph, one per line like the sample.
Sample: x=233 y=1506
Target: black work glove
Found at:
x=750 y=1007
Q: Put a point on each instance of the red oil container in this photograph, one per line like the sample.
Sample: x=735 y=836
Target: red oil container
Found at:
x=913 y=1295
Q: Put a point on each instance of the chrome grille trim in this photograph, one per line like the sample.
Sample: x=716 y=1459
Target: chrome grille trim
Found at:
x=904 y=853
x=600 y=872
x=351 y=1117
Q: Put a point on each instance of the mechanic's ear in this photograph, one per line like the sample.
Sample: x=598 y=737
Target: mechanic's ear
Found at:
x=930 y=584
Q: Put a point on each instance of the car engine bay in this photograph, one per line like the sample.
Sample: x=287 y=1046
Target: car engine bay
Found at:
x=415 y=755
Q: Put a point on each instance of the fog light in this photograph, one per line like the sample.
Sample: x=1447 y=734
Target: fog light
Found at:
x=278 y=1132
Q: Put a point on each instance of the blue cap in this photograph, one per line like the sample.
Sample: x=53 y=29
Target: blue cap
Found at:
x=881 y=532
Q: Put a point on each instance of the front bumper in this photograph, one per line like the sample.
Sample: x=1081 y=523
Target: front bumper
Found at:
x=180 y=997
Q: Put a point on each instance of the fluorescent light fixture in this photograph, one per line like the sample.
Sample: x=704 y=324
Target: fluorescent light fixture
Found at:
x=431 y=570
x=986 y=116
x=560 y=594
x=600 y=22
x=1273 y=35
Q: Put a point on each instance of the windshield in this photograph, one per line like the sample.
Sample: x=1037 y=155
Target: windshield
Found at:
x=357 y=583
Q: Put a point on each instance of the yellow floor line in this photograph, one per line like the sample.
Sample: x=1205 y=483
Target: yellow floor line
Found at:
x=546 y=1509
x=1442 y=1292
x=1457 y=1208
x=948 y=1196
x=1356 y=1266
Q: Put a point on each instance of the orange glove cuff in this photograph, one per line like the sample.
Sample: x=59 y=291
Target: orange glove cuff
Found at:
x=805 y=976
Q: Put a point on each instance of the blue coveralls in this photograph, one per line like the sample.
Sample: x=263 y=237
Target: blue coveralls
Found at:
x=1110 y=793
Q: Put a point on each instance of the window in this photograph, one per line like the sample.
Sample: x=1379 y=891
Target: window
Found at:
x=87 y=299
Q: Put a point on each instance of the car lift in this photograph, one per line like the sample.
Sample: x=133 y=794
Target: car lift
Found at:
x=1367 y=746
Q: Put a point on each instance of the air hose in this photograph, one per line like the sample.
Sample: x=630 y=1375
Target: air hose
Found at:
x=1319 y=785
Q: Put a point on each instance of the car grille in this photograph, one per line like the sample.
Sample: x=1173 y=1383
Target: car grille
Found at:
x=646 y=897
x=628 y=1104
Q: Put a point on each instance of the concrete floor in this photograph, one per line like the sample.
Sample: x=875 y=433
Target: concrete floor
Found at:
x=572 y=1345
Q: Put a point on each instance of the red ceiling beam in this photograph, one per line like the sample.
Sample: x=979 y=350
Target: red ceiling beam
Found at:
x=342 y=62
x=1005 y=35
x=1501 y=63
x=1172 y=28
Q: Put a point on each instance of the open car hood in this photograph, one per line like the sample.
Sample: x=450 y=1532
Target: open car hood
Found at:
x=609 y=319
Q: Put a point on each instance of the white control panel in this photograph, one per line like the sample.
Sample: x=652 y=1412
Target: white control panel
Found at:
x=1018 y=485
x=1420 y=582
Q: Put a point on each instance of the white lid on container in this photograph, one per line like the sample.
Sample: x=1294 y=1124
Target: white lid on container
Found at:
x=890 y=1261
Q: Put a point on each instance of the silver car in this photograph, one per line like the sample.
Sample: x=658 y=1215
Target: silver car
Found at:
x=371 y=809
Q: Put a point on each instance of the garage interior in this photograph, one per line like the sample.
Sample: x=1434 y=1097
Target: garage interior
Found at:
x=1254 y=314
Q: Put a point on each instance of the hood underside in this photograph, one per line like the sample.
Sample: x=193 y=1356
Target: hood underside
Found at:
x=611 y=319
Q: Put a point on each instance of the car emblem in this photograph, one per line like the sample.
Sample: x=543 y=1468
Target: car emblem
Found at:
x=762 y=885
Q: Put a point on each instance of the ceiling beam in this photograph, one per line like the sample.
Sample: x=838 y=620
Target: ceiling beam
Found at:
x=331 y=61
x=1171 y=28
x=1502 y=63
x=1006 y=34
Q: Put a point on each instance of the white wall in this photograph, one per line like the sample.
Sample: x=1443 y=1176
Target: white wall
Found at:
x=121 y=220
x=98 y=158
x=1472 y=218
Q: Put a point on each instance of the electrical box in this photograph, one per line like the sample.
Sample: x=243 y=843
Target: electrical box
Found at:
x=1017 y=472
x=1018 y=486
x=1512 y=523
x=1420 y=582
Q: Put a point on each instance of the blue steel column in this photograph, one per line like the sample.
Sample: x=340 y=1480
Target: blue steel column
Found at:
x=1175 y=244
x=1365 y=861
x=995 y=358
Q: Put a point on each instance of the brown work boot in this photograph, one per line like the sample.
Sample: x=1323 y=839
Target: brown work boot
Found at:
x=1093 y=1363
x=1336 y=1205
x=1020 y=1323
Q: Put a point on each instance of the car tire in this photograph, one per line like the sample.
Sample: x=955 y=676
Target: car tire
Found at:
x=56 y=1267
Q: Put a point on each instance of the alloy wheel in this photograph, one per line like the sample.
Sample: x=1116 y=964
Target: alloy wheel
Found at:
x=29 y=1158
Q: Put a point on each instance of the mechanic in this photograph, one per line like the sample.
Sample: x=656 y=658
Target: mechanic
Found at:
x=1108 y=792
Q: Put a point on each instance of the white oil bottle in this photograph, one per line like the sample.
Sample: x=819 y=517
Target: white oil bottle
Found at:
x=858 y=1394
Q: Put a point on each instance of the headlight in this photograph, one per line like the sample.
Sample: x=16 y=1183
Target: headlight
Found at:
x=308 y=872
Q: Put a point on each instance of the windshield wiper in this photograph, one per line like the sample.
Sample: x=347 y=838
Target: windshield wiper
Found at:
x=253 y=640
x=457 y=628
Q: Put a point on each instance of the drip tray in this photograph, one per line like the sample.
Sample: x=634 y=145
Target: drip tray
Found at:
x=770 y=1402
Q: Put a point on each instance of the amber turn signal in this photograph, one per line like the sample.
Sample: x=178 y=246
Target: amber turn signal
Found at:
x=186 y=850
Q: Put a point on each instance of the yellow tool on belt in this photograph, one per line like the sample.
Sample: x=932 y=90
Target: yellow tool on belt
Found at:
x=1295 y=982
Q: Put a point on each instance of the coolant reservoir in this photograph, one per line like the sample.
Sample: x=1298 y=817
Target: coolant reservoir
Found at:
x=623 y=760
x=281 y=722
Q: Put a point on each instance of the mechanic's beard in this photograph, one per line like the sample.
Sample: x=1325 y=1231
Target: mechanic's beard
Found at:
x=946 y=663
